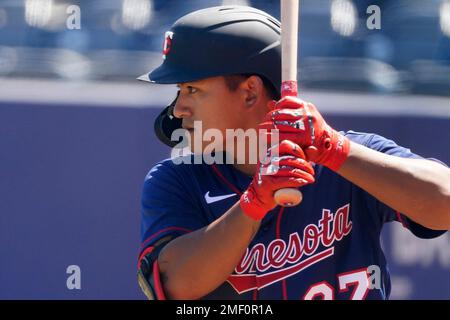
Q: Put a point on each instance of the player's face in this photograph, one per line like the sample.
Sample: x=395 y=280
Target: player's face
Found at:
x=212 y=103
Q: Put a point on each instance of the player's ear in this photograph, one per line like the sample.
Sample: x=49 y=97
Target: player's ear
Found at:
x=253 y=88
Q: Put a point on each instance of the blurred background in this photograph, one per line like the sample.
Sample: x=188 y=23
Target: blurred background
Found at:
x=120 y=38
x=76 y=128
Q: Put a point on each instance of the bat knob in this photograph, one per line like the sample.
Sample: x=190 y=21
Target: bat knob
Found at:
x=288 y=197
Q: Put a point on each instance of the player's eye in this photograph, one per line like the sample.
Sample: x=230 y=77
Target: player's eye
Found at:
x=191 y=90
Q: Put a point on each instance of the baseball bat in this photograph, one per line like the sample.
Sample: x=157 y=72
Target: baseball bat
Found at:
x=289 y=197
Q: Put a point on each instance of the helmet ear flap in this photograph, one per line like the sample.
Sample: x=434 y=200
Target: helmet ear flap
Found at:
x=166 y=123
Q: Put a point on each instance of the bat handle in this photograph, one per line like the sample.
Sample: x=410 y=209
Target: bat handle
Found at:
x=288 y=197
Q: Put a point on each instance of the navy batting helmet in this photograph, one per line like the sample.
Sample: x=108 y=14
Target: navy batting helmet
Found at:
x=217 y=41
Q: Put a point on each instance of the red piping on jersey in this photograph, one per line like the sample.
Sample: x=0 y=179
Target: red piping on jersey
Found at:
x=278 y=236
x=228 y=183
x=255 y=295
x=157 y=282
x=399 y=217
x=161 y=231
x=278 y=227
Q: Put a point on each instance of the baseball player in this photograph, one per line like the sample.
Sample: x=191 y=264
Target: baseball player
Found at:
x=214 y=231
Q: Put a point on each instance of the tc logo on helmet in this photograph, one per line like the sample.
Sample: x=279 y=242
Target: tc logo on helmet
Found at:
x=167 y=43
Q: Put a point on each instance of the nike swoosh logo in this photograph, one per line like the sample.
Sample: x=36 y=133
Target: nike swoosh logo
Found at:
x=210 y=199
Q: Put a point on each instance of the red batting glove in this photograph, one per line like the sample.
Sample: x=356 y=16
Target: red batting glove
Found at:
x=284 y=167
x=301 y=122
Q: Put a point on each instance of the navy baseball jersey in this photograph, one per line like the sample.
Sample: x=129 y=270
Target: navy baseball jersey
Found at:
x=328 y=247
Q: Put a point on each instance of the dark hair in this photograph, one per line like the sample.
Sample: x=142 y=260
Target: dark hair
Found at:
x=233 y=81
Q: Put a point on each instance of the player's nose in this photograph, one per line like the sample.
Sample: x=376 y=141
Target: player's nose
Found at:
x=181 y=109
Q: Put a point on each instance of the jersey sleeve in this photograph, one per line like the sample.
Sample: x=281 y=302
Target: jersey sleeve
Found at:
x=386 y=213
x=168 y=205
